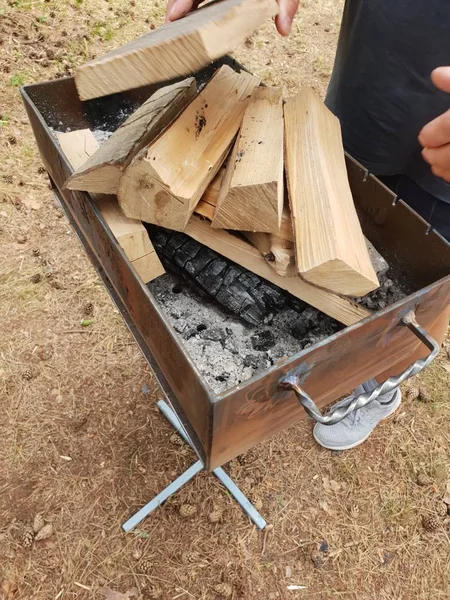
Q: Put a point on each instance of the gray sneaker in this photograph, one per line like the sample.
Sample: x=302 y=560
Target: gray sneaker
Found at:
x=358 y=425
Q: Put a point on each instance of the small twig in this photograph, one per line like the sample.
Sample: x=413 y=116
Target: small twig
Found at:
x=266 y=533
x=84 y=587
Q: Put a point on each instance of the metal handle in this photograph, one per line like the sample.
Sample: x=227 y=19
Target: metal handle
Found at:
x=336 y=414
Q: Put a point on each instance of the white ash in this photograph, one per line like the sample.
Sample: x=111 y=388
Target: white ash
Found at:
x=225 y=350
x=100 y=135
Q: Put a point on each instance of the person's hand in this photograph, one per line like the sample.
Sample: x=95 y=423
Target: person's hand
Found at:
x=435 y=136
x=288 y=8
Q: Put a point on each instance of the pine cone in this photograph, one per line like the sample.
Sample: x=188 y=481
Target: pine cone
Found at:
x=27 y=536
x=175 y=439
x=412 y=393
x=431 y=523
x=44 y=533
x=38 y=522
x=423 y=479
x=145 y=567
x=424 y=395
x=12 y=140
x=188 y=510
x=154 y=592
x=36 y=278
x=36 y=252
x=215 y=516
x=224 y=589
x=190 y=557
x=256 y=501
x=28 y=374
x=88 y=308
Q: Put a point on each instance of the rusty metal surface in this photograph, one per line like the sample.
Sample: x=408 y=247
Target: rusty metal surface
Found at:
x=223 y=426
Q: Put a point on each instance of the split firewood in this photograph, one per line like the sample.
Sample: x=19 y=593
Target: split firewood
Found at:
x=278 y=252
x=165 y=181
x=79 y=146
x=176 y=49
x=244 y=254
x=277 y=249
x=251 y=195
x=330 y=247
x=102 y=171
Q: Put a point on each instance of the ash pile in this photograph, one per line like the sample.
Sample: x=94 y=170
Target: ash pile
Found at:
x=234 y=324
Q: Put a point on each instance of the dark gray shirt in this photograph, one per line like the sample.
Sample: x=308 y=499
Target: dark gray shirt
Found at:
x=381 y=88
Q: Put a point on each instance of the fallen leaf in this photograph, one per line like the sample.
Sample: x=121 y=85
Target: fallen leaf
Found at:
x=324 y=506
x=112 y=595
x=86 y=322
x=446 y=498
x=31 y=203
x=446 y=365
x=326 y=484
x=335 y=486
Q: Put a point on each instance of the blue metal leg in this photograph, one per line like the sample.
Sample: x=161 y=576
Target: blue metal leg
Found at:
x=162 y=496
x=244 y=502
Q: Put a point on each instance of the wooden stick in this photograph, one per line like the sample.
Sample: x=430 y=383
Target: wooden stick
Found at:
x=132 y=236
x=251 y=196
x=277 y=249
x=102 y=171
x=243 y=253
x=165 y=181
x=175 y=49
x=330 y=247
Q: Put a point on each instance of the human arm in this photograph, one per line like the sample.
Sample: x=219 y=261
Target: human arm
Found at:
x=435 y=136
x=283 y=21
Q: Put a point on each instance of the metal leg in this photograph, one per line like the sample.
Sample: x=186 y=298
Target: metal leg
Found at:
x=244 y=502
x=162 y=496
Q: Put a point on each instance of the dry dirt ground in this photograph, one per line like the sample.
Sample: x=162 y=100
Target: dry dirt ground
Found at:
x=82 y=443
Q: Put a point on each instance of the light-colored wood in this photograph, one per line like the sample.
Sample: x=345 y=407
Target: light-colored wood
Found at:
x=175 y=49
x=243 y=253
x=132 y=236
x=277 y=252
x=277 y=249
x=330 y=247
x=165 y=181
x=101 y=172
x=251 y=197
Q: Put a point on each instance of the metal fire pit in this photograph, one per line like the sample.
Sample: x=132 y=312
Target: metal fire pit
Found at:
x=223 y=426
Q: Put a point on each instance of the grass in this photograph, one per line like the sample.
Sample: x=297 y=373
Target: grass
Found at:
x=18 y=79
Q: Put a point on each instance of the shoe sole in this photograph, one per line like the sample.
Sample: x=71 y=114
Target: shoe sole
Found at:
x=362 y=440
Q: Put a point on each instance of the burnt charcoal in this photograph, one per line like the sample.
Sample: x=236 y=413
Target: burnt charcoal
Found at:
x=216 y=334
x=254 y=361
x=239 y=291
x=212 y=276
x=181 y=258
x=201 y=260
x=263 y=340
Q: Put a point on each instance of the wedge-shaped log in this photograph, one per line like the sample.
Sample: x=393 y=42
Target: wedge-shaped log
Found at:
x=178 y=48
x=165 y=181
x=101 y=173
x=243 y=253
x=251 y=196
x=277 y=249
x=330 y=247
x=132 y=236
